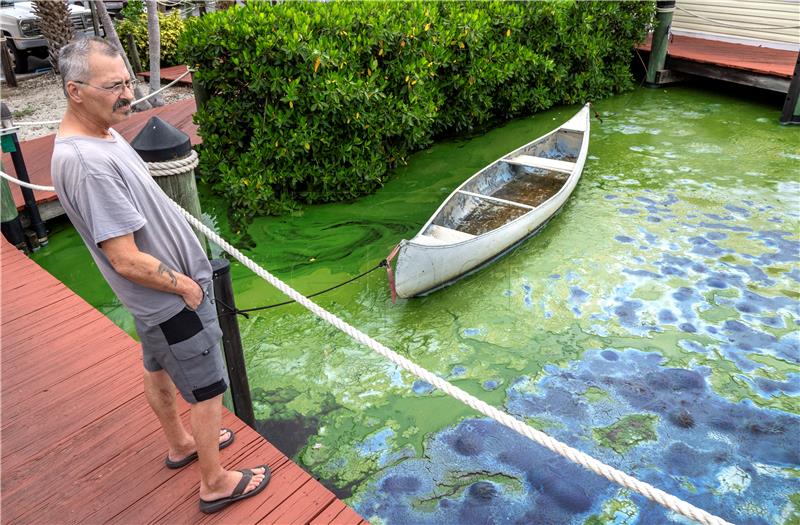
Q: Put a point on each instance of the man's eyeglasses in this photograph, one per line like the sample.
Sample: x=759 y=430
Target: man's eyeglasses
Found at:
x=118 y=88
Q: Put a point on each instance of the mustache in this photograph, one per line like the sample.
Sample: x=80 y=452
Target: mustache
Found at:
x=121 y=102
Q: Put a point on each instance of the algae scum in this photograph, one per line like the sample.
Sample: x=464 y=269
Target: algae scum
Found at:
x=653 y=324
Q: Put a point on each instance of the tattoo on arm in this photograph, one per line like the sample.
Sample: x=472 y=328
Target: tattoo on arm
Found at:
x=162 y=268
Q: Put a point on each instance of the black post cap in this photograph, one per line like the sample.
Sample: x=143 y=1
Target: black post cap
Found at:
x=5 y=113
x=160 y=141
x=220 y=267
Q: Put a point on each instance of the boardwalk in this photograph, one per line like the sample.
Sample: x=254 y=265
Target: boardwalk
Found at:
x=168 y=74
x=80 y=444
x=753 y=65
x=38 y=152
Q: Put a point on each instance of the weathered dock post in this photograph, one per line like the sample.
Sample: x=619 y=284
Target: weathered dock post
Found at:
x=10 y=225
x=791 y=106
x=232 y=341
x=10 y=144
x=169 y=156
x=200 y=93
x=660 y=42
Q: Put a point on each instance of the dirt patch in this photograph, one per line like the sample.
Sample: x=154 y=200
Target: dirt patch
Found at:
x=40 y=98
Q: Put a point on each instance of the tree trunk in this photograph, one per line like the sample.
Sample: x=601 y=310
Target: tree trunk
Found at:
x=154 y=45
x=111 y=35
x=133 y=51
x=95 y=20
x=55 y=25
x=5 y=58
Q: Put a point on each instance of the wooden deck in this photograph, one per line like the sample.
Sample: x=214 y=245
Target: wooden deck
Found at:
x=39 y=151
x=80 y=444
x=752 y=65
x=168 y=74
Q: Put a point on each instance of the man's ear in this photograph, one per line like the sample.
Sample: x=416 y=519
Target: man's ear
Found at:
x=73 y=93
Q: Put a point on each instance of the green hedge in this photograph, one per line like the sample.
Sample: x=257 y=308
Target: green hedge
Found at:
x=315 y=102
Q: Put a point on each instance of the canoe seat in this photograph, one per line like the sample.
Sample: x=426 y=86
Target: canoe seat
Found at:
x=541 y=162
x=436 y=235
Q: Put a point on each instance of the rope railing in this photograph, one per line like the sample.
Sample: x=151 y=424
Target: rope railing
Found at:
x=664 y=499
x=156 y=92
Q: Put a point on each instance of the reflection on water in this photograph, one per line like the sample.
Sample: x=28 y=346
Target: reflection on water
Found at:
x=653 y=324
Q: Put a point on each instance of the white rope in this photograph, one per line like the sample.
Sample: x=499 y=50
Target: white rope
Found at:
x=174 y=167
x=25 y=184
x=746 y=25
x=156 y=92
x=617 y=476
x=39 y=123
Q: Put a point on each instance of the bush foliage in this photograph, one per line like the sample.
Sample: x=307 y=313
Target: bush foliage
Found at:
x=315 y=102
x=135 y=22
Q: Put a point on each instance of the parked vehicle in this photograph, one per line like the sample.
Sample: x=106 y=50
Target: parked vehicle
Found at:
x=112 y=6
x=20 y=25
x=494 y=210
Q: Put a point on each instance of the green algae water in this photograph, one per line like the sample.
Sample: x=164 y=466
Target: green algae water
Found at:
x=653 y=324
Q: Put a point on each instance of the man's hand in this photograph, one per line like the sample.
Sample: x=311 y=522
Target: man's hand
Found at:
x=194 y=296
x=144 y=269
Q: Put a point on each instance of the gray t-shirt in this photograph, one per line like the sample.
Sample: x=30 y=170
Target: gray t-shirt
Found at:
x=107 y=191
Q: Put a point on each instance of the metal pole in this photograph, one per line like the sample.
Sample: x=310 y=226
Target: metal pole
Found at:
x=22 y=174
x=232 y=341
x=10 y=224
x=658 y=47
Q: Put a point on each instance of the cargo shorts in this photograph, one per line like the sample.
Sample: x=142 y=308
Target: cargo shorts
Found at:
x=187 y=347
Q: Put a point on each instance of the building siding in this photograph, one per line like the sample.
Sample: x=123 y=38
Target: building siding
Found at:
x=773 y=23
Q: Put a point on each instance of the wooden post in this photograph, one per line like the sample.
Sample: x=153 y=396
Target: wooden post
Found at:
x=200 y=93
x=5 y=57
x=232 y=342
x=660 y=42
x=159 y=141
x=791 y=108
x=182 y=189
x=136 y=63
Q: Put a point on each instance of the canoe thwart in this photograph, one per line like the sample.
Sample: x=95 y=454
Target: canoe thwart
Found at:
x=496 y=199
x=436 y=234
x=543 y=163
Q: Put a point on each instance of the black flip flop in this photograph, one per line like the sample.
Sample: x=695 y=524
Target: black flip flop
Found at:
x=210 y=507
x=193 y=456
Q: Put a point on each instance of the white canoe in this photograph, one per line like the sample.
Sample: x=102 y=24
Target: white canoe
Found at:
x=495 y=209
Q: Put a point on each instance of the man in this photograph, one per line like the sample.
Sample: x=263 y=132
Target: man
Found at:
x=149 y=255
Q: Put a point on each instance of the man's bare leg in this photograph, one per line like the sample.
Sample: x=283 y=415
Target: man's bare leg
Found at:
x=160 y=393
x=215 y=482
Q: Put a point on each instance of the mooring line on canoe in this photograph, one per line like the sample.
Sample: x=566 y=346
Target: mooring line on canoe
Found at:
x=664 y=499
x=244 y=311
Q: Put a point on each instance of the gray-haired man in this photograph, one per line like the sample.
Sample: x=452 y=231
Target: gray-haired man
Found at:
x=153 y=262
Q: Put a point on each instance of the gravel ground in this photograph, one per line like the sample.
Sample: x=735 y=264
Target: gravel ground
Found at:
x=40 y=97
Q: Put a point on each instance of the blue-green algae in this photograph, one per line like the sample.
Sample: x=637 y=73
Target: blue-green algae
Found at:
x=666 y=287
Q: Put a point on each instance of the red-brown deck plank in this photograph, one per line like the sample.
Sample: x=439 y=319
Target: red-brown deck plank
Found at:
x=756 y=59
x=38 y=152
x=168 y=74
x=80 y=444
